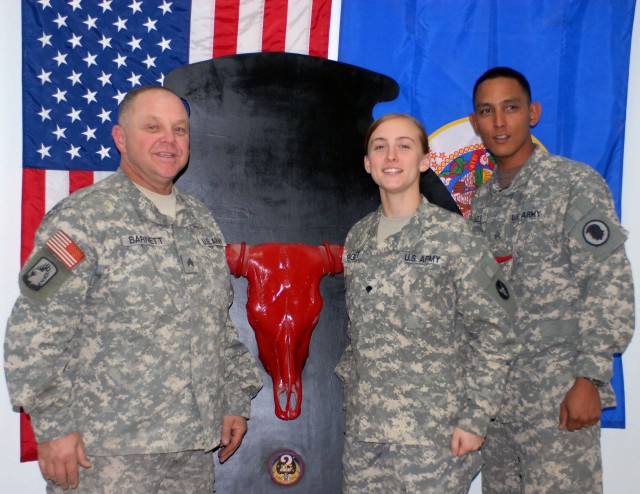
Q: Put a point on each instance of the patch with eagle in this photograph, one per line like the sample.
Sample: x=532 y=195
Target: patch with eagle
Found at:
x=52 y=265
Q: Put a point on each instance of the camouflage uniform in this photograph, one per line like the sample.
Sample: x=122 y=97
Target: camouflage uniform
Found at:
x=431 y=339
x=573 y=283
x=133 y=346
x=185 y=472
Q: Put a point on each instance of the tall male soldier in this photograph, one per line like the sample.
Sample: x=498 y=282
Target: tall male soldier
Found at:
x=552 y=223
x=120 y=345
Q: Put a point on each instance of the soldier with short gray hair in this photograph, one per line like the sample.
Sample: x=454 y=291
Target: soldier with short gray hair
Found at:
x=430 y=323
x=551 y=223
x=120 y=346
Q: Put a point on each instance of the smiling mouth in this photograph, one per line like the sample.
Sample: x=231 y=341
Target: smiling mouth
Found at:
x=392 y=170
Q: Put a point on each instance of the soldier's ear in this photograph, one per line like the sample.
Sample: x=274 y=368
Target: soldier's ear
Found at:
x=474 y=123
x=425 y=163
x=367 y=164
x=117 y=133
x=535 y=111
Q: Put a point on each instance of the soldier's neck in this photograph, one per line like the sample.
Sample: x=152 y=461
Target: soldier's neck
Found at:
x=506 y=175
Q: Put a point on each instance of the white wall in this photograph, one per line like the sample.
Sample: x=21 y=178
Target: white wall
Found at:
x=620 y=447
x=14 y=476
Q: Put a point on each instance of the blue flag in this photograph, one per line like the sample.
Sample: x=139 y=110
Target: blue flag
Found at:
x=575 y=55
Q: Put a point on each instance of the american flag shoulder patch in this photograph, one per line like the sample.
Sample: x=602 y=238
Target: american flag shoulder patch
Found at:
x=65 y=249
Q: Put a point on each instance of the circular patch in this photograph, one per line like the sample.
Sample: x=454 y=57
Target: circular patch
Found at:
x=595 y=233
x=503 y=291
x=286 y=467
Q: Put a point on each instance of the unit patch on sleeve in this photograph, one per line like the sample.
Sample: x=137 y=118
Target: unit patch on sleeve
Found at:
x=595 y=233
x=39 y=274
x=50 y=267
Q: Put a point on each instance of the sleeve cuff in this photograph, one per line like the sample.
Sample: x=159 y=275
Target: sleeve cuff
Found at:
x=475 y=421
x=597 y=367
x=53 y=424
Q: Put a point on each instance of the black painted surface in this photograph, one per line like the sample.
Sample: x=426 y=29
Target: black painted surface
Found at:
x=277 y=154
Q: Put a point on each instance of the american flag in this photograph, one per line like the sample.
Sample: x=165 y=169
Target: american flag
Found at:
x=80 y=57
x=83 y=56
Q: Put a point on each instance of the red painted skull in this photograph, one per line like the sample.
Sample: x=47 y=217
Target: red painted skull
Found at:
x=283 y=308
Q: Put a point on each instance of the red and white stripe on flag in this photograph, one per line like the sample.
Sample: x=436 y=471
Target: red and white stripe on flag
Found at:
x=65 y=249
x=43 y=189
x=229 y=27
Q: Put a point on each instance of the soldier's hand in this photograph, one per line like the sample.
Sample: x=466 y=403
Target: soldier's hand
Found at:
x=463 y=442
x=234 y=427
x=581 y=406
x=59 y=459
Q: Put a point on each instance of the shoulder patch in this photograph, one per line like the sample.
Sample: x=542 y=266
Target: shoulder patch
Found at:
x=51 y=267
x=65 y=249
x=38 y=275
x=489 y=277
x=43 y=276
x=595 y=233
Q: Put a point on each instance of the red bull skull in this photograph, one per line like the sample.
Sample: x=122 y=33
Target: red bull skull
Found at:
x=283 y=308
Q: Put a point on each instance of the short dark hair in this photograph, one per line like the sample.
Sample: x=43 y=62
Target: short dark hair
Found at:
x=424 y=140
x=507 y=72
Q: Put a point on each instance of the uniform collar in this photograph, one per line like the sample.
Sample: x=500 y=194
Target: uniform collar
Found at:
x=184 y=214
x=411 y=232
x=522 y=177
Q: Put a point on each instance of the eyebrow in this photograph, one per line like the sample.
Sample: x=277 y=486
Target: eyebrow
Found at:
x=516 y=99
x=155 y=118
x=397 y=139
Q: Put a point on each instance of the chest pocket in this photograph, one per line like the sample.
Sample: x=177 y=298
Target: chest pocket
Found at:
x=421 y=274
x=202 y=256
x=129 y=284
x=393 y=281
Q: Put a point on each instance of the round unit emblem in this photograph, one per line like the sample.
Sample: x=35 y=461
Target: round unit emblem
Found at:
x=286 y=467
x=595 y=233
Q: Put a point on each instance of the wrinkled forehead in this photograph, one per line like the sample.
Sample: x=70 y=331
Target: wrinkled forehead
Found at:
x=155 y=103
